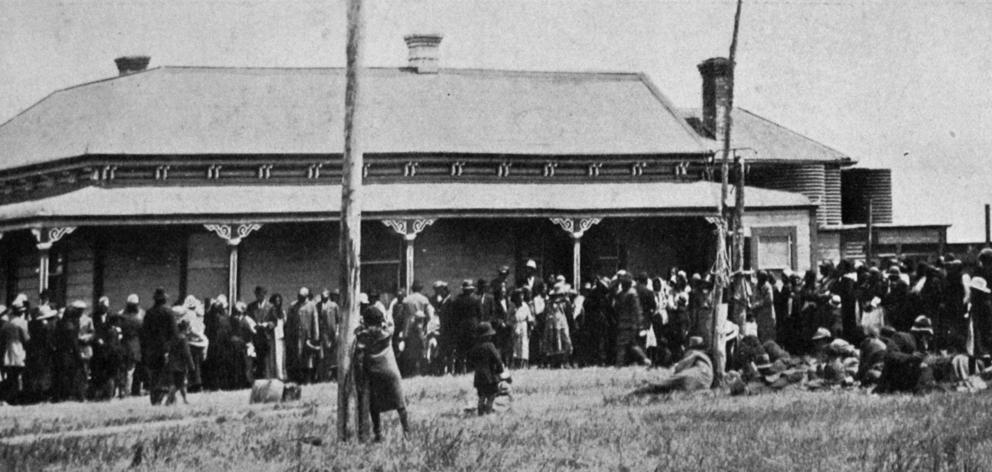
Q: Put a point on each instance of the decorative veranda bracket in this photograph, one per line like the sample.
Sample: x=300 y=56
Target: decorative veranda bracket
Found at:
x=231 y=235
x=576 y=227
x=47 y=237
x=409 y=229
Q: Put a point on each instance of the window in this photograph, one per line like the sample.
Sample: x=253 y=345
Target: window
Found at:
x=773 y=247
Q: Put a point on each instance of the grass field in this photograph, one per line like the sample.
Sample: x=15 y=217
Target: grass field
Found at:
x=559 y=420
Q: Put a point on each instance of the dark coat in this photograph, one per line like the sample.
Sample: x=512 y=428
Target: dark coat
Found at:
x=629 y=312
x=847 y=289
x=70 y=378
x=485 y=360
x=466 y=311
x=157 y=332
x=895 y=303
x=40 y=356
x=130 y=324
x=180 y=358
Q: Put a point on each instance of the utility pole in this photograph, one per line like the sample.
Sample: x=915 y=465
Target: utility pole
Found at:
x=716 y=334
x=351 y=218
x=870 y=234
x=988 y=226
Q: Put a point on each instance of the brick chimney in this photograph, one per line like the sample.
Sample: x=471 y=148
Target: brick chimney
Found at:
x=131 y=64
x=716 y=94
x=424 y=57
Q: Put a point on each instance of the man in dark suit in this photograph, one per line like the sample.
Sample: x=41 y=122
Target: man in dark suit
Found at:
x=466 y=312
x=158 y=331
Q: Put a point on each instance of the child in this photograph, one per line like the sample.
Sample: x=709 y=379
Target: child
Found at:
x=179 y=363
x=484 y=359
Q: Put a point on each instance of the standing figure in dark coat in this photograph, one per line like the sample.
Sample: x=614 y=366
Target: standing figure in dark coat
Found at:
x=894 y=301
x=260 y=311
x=217 y=370
x=301 y=353
x=40 y=362
x=441 y=301
x=630 y=320
x=108 y=352
x=466 y=309
x=242 y=353
x=847 y=288
x=129 y=320
x=180 y=364
x=378 y=373
x=980 y=313
x=484 y=359
x=952 y=322
x=763 y=307
x=70 y=378
x=157 y=334
x=328 y=316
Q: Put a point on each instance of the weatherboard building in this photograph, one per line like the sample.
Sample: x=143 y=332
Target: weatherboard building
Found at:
x=207 y=180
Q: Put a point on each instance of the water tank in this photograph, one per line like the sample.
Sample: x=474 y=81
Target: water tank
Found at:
x=807 y=179
x=860 y=185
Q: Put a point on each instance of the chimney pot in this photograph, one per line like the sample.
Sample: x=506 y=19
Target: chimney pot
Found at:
x=131 y=64
x=716 y=73
x=423 y=48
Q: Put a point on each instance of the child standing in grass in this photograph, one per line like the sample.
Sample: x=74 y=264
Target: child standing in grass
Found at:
x=179 y=361
x=484 y=359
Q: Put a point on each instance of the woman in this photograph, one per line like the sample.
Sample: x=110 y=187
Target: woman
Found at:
x=377 y=372
x=523 y=320
x=272 y=326
x=763 y=307
x=70 y=378
x=217 y=326
x=242 y=349
x=13 y=337
x=556 y=341
x=40 y=356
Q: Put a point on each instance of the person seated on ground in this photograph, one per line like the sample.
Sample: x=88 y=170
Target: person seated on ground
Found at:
x=922 y=332
x=898 y=341
x=872 y=357
x=485 y=360
x=842 y=365
x=748 y=350
x=693 y=372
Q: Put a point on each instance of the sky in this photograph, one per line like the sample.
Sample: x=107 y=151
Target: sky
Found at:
x=902 y=84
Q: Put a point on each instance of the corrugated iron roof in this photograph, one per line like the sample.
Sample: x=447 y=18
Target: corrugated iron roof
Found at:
x=289 y=200
x=203 y=110
x=771 y=141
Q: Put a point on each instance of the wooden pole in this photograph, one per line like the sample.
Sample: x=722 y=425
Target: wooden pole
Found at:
x=870 y=237
x=988 y=225
x=351 y=217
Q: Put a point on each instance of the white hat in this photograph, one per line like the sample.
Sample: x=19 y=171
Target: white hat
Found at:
x=78 y=304
x=363 y=298
x=980 y=284
x=304 y=292
x=531 y=264
x=133 y=299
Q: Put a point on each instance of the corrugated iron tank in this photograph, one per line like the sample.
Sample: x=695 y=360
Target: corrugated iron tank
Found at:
x=818 y=183
x=860 y=185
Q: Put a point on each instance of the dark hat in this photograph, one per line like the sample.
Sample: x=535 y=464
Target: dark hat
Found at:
x=160 y=296
x=922 y=324
x=484 y=329
x=894 y=270
x=763 y=362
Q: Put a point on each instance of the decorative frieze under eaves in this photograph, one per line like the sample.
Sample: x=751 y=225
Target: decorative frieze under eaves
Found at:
x=28 y=183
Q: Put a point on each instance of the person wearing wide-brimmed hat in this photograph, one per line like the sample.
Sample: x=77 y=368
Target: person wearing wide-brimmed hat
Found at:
x=922 y=332
x=14 y=336
x=484 y=359
x=376 y=370
x=980 y=314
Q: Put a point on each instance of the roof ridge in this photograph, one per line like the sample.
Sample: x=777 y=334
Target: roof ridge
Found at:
x=783 y=127
x=446 y=70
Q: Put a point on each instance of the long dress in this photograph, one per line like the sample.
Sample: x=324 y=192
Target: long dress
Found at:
x=556 y=341
x=764 y=312
x=523 y=319
x=375 y=351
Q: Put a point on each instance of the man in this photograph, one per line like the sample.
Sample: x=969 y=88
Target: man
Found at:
x=108 y=353
x=441 y=329
x=70 y=379
x=502 y=276
x=260 y=311
x=417 y=313
x=629 y=322
x=530 y=275
x=466 y=311
x=129 y=321
x=894 y=300
x=301 y=345
x=158 y=332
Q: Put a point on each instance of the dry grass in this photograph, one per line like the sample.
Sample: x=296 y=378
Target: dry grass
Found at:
x=560 y=420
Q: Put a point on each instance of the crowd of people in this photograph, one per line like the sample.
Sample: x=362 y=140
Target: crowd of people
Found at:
x=851 y=318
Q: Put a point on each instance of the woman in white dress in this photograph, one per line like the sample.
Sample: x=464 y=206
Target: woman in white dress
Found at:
x=523 y=320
